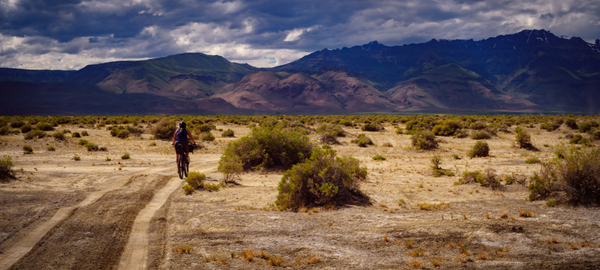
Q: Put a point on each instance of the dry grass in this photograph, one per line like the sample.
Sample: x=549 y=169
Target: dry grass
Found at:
x=419 y=252
x=433 y=206
x=248 y=254
x=385 y=239
x=275 y=261
x=481 y=256
x=450 y=245
x=182 y=249
x=314 y=259
x=552 y=241
x=408 y=244
x=264 y=255
x=525 y=213
x=504 y=214
x=416 y=264
x=436 y=261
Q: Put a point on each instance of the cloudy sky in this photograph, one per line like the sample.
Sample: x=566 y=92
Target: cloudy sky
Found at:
x=69 y=34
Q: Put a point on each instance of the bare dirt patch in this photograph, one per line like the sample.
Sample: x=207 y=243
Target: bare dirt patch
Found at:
x=94 y=236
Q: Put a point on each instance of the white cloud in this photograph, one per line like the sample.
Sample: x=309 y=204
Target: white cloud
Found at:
x=295 y=34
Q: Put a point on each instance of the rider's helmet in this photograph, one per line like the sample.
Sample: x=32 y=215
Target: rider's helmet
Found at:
x=182 y=125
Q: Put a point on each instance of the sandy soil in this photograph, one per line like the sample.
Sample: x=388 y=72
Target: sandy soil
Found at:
x=220 y=226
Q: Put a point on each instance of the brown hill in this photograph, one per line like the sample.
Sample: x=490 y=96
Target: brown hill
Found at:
x=333 y=91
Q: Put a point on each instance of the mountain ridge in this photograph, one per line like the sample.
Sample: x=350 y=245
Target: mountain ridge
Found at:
x=529 y=71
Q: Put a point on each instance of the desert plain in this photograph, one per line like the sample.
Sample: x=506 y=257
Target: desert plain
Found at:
x=104 y=212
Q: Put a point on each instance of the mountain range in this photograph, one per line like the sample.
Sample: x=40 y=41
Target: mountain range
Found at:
x=532 y=71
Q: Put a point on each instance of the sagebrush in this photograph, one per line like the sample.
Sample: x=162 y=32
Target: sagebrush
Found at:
x=323 y=179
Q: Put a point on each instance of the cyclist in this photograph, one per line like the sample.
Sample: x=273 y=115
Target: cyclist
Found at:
x=181 y=137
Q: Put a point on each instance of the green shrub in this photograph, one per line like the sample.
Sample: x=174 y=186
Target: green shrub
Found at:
x=123 y=134
x=423 y=140
x=51 y=148
x=541 y=185
x=6 y=166
x=230 y=167
x=203 y=128
x=103 y=148
x=371 y=127
x=44 y=127
x=164 y=130
x=228 y=133
x=75 y=135
x=5 y=131
x=82 y=142
x=346 y=123
x=480 y=149
x=596 y=135
x=270 y=147
x=587 y=126
x=573 y=177
x=461 y=134
x=448 y=128
x=578 y=139
x=571 y=123
x=480 y=135
x=486 y=179
x=26 y=128
x=477 y=126
x=523 y=139
x=329 y=138
x=84 y=133
x=533 y=160
x=378 y=157
x=187 y=189
x=207 y=136
x=195 y=180
x=550 y=126
x=27 y=149
x=399 y=131
x=17 y=124
x=76 y=158
x=330 y=131
x=125 y=156
x=322 y=179
x=35 y=134
x=59 y=136
x=91 y=146
x=551 y=203
x=362 y=140
x=212 y=187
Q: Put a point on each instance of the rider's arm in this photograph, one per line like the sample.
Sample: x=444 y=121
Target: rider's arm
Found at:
x=174 y=136
x=191 y=137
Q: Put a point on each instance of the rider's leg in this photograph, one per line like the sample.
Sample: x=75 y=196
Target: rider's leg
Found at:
x=187 y=157
x=177 y=158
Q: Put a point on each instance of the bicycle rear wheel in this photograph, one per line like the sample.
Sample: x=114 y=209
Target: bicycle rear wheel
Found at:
x=187 y=168
x=180 y=167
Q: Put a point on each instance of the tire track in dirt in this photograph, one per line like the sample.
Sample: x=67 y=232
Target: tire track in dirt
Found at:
x=27 y=243
x=135 y=255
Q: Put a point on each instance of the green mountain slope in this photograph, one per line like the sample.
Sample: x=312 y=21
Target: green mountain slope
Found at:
x=189 y=75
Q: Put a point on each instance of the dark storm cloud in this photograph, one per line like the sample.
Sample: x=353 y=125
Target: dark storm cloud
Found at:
x=35 y=33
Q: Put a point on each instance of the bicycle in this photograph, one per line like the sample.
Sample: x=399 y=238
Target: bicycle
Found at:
x=183 y=167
